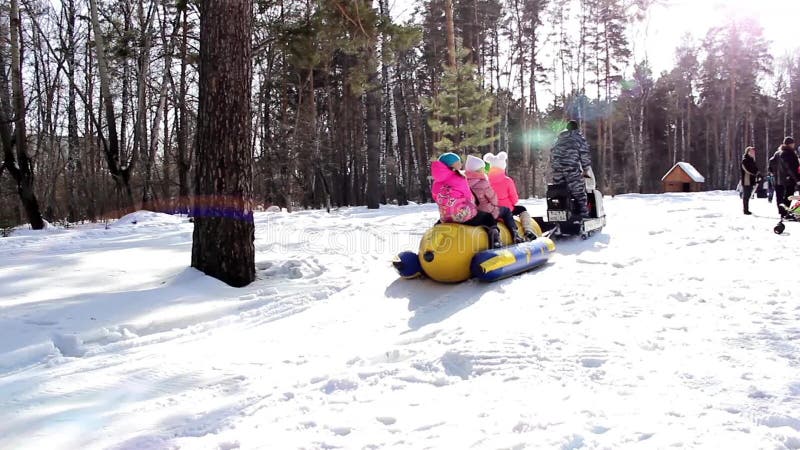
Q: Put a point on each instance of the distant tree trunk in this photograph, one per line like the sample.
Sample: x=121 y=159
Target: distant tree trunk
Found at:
x=389 y=115
x=766 y=142
x=641 y=147
x=534 y=104
x=608 y=118
x=148 y=194
x=495 y=80
x=73 y=151
x=405 y=140
x=373 y=142
x=184 y=161
x=222 y=244
x=166 y=163
x=526 y=146
x=451 y=33
x=791 y=104
x=91 y=184
x=689 y=103
x=420 y=139
x=120 y=171
x=140 y=143
x=125 y=96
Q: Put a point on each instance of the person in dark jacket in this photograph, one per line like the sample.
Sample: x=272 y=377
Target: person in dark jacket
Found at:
x=750 y=175
x=784 y=164
x=571 y=161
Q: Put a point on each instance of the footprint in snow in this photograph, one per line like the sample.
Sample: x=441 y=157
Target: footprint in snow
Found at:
x=456 y=364
x=759 y=394
x=573 y=442
x=681 y=296
x=339 y=385
x=645 y=436
x=386 y=420
x=778 y=421
x=589 y=261
x=593 y=357
x=341 y=431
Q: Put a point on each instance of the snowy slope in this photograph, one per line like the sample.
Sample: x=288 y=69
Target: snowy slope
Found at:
x=678 y=326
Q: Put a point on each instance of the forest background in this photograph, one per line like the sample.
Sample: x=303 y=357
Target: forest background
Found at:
x=351 y=100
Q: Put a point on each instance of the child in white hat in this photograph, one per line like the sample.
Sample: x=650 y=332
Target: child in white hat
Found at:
x=475 y=171
x=506 y=191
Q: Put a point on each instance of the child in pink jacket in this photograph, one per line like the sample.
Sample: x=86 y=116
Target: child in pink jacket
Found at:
x=506 y=191
x=451 y=192
x=485 y=195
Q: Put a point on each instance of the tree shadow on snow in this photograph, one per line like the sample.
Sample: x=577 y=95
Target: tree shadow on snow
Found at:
x=181 y=426
x=86 y=321
x=90 y=403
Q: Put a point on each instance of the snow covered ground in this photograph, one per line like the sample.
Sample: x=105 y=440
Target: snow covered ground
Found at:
x=677 y=327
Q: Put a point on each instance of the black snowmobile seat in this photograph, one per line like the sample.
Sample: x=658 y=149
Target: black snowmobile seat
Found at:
x=559 y=197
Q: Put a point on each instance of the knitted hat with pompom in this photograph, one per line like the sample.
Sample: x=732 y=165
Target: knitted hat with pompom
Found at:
x=500 y=160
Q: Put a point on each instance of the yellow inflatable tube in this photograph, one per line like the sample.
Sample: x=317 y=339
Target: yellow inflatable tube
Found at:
x=446 y=250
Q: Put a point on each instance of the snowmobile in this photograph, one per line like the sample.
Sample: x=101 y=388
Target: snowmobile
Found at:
x=791 y=214
x=563 y=211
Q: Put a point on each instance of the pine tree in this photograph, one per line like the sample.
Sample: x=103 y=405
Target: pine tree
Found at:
x=461 y=114
x=224 y=231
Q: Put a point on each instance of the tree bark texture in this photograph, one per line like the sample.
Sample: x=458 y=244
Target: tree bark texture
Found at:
x=20 y=166
x=222 y=244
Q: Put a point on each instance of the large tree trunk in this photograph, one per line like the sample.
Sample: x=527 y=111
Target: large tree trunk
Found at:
x=222 y=244
x=18 y=163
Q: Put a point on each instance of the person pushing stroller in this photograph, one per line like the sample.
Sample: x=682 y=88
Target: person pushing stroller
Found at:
x=784 y=164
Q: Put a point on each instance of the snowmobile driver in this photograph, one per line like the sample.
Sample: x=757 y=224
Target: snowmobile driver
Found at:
x=571 y=163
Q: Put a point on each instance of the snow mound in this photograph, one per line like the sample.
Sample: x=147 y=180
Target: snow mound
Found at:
x=25 y=230
x=144 y=217
x=69 y=345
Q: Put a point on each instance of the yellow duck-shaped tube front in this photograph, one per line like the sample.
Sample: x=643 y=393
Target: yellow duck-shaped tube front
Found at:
x=446 y=249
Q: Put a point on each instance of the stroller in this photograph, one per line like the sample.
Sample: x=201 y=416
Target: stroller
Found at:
x=792 y=214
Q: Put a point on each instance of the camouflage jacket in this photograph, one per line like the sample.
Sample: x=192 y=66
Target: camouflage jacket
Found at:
x=571 y=153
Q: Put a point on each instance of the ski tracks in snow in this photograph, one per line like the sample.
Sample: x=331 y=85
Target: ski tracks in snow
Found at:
x=661 y=331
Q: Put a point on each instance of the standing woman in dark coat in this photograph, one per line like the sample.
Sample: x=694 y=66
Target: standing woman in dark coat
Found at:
x=784 y=165
x=749 y=175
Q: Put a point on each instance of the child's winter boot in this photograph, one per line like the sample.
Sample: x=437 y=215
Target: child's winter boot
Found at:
x=494 y=237
x=527 y=225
